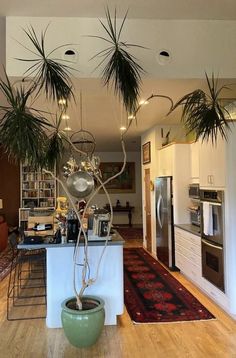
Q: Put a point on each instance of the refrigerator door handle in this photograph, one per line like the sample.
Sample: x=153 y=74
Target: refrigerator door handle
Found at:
x=160 y=199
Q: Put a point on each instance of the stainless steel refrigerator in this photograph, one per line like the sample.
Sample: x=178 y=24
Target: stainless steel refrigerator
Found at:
x=164 y=222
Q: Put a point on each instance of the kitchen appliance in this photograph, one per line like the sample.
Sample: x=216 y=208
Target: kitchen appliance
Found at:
x=98 y=225
x=72 y=226
x=194 y=211
x=212 y=234
x=164 y=222
x=194 y=191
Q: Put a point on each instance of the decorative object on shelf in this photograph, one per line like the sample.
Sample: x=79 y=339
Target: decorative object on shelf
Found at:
x=165 y=139
x=146 y=153
x=118 y=203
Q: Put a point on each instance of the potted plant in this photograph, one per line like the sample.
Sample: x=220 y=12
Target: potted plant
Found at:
x=203 y=112
x=27 y=135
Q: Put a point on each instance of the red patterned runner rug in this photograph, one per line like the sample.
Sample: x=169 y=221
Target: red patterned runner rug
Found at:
x=152 y=294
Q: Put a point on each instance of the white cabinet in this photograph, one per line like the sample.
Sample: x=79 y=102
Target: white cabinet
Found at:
x=212 y=163
x=165 y=161
x=188 y=254
x=194 y=156
x=188 y=260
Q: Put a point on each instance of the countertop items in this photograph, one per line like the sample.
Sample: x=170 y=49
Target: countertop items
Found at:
x=116 y=240
x=190 y=228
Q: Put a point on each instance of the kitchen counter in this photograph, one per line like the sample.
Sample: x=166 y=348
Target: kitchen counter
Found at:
x=193 y=229
x=116 y=239
x=60 y=266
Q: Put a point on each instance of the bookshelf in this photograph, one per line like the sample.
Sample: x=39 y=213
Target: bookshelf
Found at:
x=38 y=192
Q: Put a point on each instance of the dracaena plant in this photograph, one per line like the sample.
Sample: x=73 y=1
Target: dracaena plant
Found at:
x=121 y=68
x=203 y=112
x=22 y=128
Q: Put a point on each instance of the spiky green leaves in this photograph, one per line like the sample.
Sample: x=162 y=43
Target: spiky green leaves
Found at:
x=54 y=150
x=22 y=130
x=203 y=114
x=121 y=69
x=49 y=75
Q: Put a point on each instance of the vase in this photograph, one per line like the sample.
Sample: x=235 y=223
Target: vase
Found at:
x=83 y=327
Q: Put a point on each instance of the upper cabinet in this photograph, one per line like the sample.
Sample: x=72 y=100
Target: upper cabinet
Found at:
x=194 y=157
x=165 y=161
x=212 y=166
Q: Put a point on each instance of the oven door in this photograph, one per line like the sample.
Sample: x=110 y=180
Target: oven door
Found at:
x=217 y=222
x=212 y=263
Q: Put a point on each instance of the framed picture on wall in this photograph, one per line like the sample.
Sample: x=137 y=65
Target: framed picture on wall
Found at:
x=124 y=183
x=147 y=153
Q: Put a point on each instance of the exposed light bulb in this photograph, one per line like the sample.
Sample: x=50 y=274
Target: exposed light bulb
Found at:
x=62 y=102
x=67 y=128
x=143 y=102
x=131 y=116
x=65 y=116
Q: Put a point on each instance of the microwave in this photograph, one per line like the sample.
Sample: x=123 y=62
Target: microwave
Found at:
x=194 y=191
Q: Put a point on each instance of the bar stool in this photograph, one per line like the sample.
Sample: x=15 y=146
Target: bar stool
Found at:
x=27 y=280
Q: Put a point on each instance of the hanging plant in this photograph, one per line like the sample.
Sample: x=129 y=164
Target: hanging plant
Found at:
x=55 y=146
x=22 y=129
x=203 y=112
x=121 y=68
x=49 y=75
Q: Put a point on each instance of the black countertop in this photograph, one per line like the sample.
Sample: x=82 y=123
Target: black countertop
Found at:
x=193 y=229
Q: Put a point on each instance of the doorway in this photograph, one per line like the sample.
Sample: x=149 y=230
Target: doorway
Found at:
x=148 y=210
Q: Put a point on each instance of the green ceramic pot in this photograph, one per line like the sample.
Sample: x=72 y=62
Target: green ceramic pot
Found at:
x=83 y=328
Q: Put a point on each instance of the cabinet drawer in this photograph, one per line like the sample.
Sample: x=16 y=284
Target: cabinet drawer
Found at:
x=194 y=248
x=194 y=239
x=192 y=257
x=213 y=292
x=188 y=268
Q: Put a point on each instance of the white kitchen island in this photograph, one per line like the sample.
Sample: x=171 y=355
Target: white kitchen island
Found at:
x=109 y=285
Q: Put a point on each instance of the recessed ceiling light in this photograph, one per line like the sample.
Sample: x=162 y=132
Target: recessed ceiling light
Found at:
x=163 y=57
x=71 y=55
x=123 y=128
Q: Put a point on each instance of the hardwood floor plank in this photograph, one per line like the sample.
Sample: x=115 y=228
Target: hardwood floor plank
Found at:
x=200 y=339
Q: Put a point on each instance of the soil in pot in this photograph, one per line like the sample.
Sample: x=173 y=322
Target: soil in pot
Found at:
x=83 y=327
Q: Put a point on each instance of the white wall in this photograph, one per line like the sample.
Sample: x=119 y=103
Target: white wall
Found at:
x=134 y=199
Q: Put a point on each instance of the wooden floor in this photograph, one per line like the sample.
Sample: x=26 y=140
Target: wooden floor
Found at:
x=213 y=338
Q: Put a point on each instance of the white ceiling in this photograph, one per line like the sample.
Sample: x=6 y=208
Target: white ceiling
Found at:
x=150 y=9
x=102 y=113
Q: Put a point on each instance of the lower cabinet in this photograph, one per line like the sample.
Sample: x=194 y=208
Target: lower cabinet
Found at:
x=188 y=260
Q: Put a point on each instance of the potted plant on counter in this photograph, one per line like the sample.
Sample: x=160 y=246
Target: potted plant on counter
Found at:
x=27 y=135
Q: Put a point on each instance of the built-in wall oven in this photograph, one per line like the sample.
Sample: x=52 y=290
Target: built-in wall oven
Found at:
x=212 y=234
